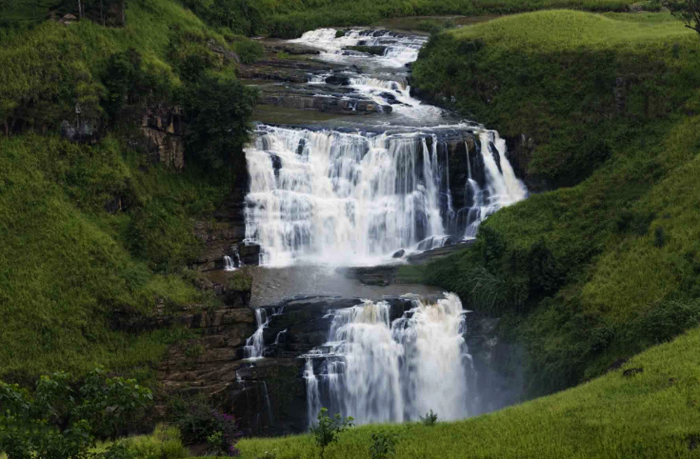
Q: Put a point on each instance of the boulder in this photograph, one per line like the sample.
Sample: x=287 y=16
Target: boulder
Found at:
x=399 y=253
x=338 y=80
x=249 y=253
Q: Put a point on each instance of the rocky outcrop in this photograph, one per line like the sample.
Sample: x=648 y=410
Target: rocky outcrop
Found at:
x=208 y=365
x=162 y=128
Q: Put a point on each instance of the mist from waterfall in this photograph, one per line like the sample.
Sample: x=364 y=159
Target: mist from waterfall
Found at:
x=377 y=370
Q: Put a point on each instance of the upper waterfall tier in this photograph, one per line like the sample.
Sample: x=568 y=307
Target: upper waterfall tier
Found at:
x=355 y=192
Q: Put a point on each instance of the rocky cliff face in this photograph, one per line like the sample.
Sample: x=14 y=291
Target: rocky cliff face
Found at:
x=163 y=130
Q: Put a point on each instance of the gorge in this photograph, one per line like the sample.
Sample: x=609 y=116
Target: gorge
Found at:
x=385 y=177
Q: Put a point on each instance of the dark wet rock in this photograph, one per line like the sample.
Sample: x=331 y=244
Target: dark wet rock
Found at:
x=338 y=80
x=435 y=254
x=399 y=253
x=374 y=50
x=276 y=163
x=389 y=97
x=238 y=290
x=372 y=275
x=249 y=253
x=328 y=104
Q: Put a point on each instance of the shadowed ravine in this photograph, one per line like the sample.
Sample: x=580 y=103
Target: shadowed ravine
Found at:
x=382 y=179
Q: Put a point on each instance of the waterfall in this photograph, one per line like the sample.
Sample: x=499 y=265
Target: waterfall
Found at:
x=399 y=50
x=228 y=264
x=313 y=396
x=339 y=196
x=254 y=345
x=357 y=195
x=377 y=370
x=502 y=189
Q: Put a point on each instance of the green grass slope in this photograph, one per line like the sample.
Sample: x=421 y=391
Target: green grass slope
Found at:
x=67 y=265
x=651 y=412
x=601 y=269
x=290 y=18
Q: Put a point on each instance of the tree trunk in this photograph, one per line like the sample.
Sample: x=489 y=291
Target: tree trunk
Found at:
x=121 y=12
x=80 y=10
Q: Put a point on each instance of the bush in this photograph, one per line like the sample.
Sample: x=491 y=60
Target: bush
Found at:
x=130 y=83
x=55 y=422
x=383 y=446
x=327 y=429
x=430 y=418
x=218 y=111
x=664 y=321
x=249 y=50
x=199 y=423
x=165 y=443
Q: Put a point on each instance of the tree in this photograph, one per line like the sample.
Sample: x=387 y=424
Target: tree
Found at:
x=218 y=111
x=686 y=10
x=56 y=422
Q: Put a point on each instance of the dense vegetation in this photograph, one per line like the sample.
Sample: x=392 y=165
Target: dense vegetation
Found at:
x=596 y=271
x=288 y=18
x=95 y=228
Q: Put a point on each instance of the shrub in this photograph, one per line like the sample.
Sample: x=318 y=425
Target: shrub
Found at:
x=129 y=82
x=55 y=423
x=199 y=423
x=664 y=321
x=327 y=429
x=383 y=446
x=249 y=50
x=430 y=418
x=240 y=281
x=165 y=443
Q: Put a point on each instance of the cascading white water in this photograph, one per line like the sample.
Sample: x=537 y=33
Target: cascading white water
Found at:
x=356 y=197
x=313 y=396
x=340 y=196
x=379 y=371
x=399 y=49
x=255 y=345
x=503 y=188
x=228 y=264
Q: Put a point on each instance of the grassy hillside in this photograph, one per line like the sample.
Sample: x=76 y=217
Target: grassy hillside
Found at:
x=600 y=269
x=67 y=263
x=647 y=409
x=290 y=18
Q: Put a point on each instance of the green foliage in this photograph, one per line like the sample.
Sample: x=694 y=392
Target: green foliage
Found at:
x=118 y=228
x=686 y=10
x=327 y=429
x=651 y=415
x=430 y=418
x=240 y=281
x=164 y=443
x=573 y=272
x=383 y=446
x=249 y=50
x=56 y=423
x=218 y=109
x=200 y=423
x=129 y=82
